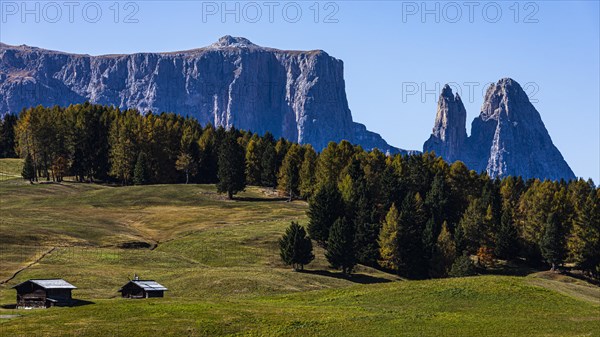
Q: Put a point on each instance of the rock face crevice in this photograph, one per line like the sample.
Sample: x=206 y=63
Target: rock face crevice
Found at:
x=298 y=95
x=508 y=137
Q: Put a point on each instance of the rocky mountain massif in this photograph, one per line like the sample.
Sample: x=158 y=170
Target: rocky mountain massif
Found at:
x=299 y=95
x=508 y=137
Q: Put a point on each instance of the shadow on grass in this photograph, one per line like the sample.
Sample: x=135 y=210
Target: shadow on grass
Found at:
x=81 y=303
x=513 y=268
x=254 y=199
x=75 y=303
x=580 y=276
x=355 y=278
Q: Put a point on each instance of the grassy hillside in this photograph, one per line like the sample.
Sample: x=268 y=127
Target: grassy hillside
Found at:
x=10 y=168
x=220 y=261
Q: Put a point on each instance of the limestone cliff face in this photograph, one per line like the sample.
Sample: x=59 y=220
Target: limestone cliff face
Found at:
x=299 y=95
x=449 y=132
x=508 y=137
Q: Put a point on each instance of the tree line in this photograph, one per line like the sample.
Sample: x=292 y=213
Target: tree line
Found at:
x=412 y=214
x=421 y=217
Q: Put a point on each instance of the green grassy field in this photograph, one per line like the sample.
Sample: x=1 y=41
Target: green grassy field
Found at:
x=10 y=168
x=220 y=261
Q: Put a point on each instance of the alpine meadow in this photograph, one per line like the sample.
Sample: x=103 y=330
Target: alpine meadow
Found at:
x=197 y=168
x=403 y=239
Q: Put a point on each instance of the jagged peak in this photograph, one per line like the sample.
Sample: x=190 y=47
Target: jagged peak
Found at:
x=447 y=91
x=507 y=86
x=449 y=95
x=507 y=82
x=504 y=93
x=229 y=41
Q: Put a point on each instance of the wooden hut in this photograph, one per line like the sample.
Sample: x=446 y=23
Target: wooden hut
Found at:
x=137 y=288
x=44 y=293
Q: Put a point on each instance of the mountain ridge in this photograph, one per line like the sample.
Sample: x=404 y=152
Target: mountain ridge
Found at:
x=298 y=95
x=507 y=138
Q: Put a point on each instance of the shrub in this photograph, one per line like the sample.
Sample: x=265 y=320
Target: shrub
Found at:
x=462 y=266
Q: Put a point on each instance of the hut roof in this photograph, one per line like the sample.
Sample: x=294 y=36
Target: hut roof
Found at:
x=148 y=285
x=50 y=284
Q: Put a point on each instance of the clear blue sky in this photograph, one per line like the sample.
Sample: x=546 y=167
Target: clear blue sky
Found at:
x=390 y=50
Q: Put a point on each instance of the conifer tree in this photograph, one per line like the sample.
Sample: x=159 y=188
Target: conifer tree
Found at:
x=472 y=226
x=253 y=163
x=289 y=173
x=340 y=246
x=507 y=242
x=186 y=164
x=367 y=229
x=552 y=245
x=7 y=136
x=28 y=172
x=189 y=154
x=445 y=253
x=307 y=172
x=366 y=243
x=410 y=241
x=429 y=240
x=586 y=250
x=269 y=165
x=388 y=240
x=231 y=166
x=437 y=201
x=122 y=148
x=295 y=247
x=208 y=162
x=462 y=266
x=140 y=172
x=281 y=148
x=459 y=240
x=328 y=165
x=323 y=209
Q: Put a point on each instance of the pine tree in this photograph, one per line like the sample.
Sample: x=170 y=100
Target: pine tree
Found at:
x=391 y=187
x=289 y=173
x=437 y=201
x=308 y=179
x=28 y=172
x=366 y=243
x=429 y=239
x=140 y=172
x=340 y=246
x=410 y=241
x=586 y=252
x=552 y=245
x=388 y=240
x=472 y=226
x=295 y=247
x=459 y=240
x=208 y=162
x=186 y=164
x=328 y=165
x=367 y=229
x=507 y=238
x=231 y=166
x=445 y=253
x=269 y=165
x=253 y=163
x=122 y=148
x=532 y=214
x=462 y=266
x=189 y=153
x=323 y=209
x=7 y=136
